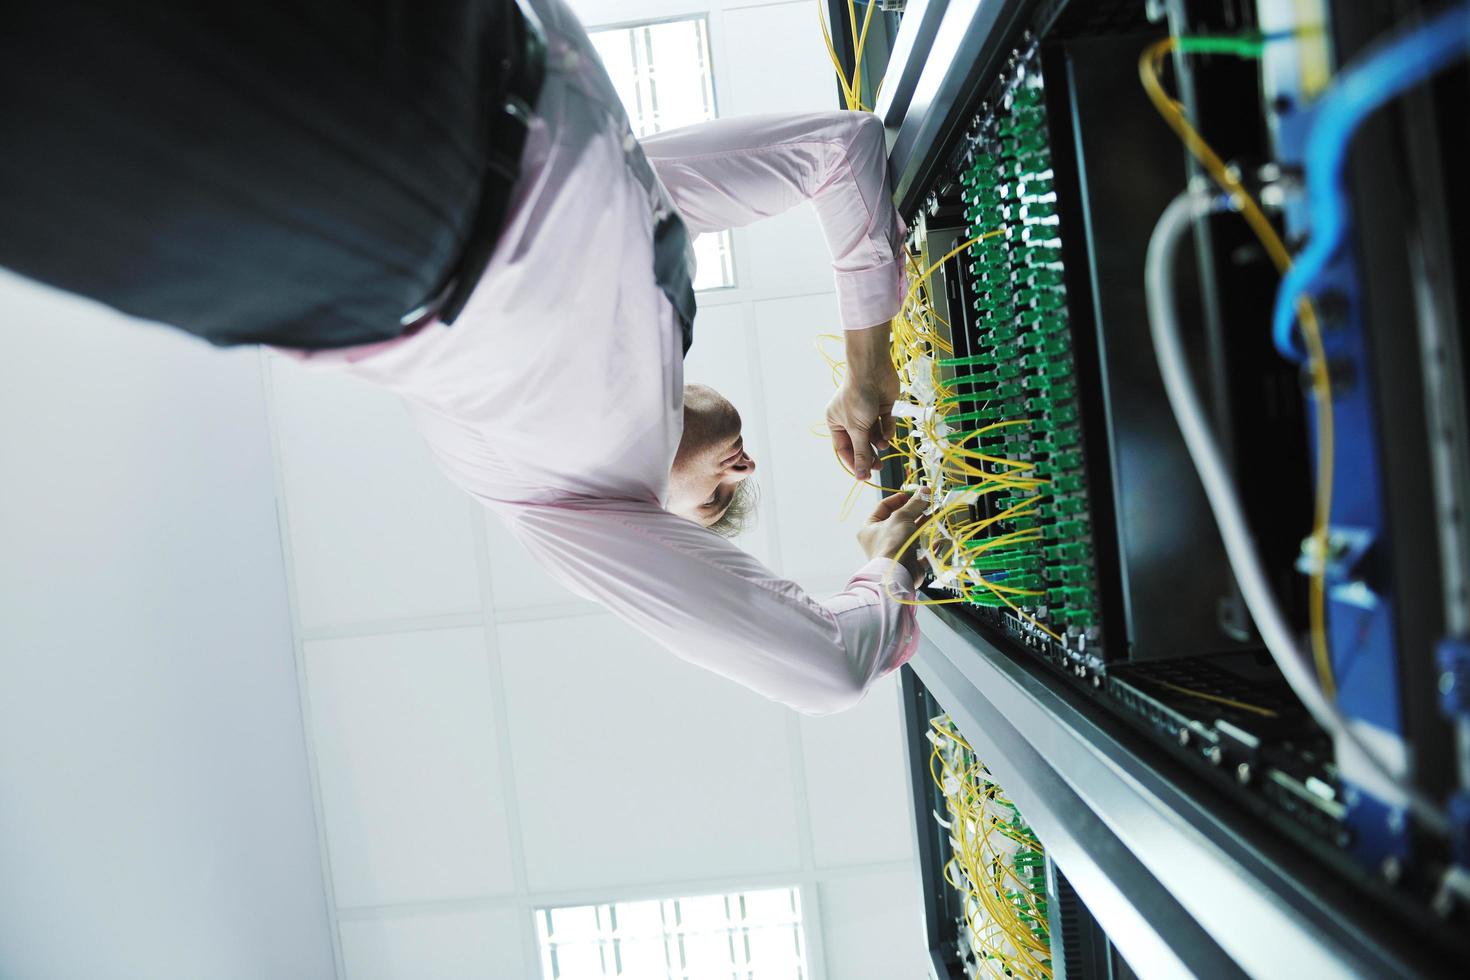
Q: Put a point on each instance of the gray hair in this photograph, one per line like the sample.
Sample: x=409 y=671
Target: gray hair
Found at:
x=739 y=517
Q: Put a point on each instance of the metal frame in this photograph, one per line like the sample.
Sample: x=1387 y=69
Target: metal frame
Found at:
x=1181 y=883
x=907 y=58
x=965 y=44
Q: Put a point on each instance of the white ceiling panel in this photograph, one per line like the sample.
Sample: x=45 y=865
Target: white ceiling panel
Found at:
x=484 y=944
x=786 y=253
x=819 y=549
x=633 y=766
x=873 y=927
x=409 y=767
x=856 y=763
x=792 y=72
x=377 y=533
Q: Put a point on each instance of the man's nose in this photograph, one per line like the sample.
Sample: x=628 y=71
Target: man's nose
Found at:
x=744 y=464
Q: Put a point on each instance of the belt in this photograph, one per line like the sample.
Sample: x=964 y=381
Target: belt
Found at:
x=512 y=84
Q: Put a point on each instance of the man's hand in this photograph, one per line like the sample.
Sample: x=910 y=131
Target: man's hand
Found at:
x=860 y=415
x=892 y=526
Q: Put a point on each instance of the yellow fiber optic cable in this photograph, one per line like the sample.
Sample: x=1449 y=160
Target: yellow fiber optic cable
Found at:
x=1150 y=65
x=1008 y=932
x=1254 y=709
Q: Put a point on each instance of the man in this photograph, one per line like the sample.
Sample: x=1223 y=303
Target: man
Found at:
x=556 y=395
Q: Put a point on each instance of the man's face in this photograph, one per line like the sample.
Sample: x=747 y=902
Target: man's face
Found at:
x=711 y=461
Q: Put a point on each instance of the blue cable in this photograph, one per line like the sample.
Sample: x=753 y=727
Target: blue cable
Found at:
x=1394 y=66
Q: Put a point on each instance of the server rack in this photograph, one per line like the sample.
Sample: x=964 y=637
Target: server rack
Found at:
x=1195 y=817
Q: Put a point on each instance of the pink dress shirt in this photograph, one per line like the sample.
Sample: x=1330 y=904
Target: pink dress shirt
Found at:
x=556 y=398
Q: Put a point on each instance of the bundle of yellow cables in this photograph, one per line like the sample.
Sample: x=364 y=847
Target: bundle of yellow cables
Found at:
x=997 y=867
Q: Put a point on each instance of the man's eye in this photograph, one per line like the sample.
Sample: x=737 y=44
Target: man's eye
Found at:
x=714 y=498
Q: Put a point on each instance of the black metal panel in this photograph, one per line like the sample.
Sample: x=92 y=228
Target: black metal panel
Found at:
x=1256 y=396
x=1087 y=351
x=971 y=43
x=1175 y=577
x=941 y=903
x=1079 y=948
x=909 y=54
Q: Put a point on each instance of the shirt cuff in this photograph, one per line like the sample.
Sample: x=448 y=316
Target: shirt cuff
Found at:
x=868 y=297
x=906 y=642
x=893 y=574
x=900 y=619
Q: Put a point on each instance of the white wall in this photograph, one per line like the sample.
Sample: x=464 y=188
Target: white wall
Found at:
x=156 y=815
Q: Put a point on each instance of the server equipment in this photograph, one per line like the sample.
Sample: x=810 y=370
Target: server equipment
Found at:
x=1182 y=365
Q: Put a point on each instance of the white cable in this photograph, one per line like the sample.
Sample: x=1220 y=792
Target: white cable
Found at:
x=1240 y=547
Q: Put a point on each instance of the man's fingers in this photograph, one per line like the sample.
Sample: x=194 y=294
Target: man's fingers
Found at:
x=914 y=507
x=886 y=430
x=862 y=452
x=887 y=506
x=843 y=443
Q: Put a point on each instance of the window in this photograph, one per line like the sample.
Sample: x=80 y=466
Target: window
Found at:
x=662 y=73
x=752 y=935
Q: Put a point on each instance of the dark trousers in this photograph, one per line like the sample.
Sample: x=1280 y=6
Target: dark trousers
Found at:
x=292 y=172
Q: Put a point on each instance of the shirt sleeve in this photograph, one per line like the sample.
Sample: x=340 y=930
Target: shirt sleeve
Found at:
x=730 y=172
x=716 y=606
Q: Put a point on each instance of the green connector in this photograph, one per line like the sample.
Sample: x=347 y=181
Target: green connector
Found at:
x=1241 y=45
x=1079 y=617
x=1061 y=367
x=1042 y=254
x=1073 y=574
x=1071 y=483
x=1033 y=159
x=1068 y=460
x=1071 y=529
x=1051 y=301
x=1027 y=96
x=1008 y=560
x=1038 y=209
x=1072 y=552
x=1071 y=506
x=978 y=378
x=1004 y=329
x=1074 y=596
